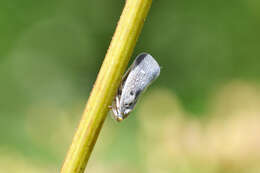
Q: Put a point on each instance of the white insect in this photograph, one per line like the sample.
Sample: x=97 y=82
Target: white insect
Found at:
x=138 y=77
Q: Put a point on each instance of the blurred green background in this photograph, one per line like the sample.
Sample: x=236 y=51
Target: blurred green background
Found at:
x=202 y=115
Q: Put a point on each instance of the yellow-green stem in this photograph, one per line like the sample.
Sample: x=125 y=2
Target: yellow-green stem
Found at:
x=110 y=74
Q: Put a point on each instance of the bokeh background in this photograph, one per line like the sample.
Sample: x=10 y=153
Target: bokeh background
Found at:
x=202 y=115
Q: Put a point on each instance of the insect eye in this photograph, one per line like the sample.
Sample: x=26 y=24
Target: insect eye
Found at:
x=127 y=105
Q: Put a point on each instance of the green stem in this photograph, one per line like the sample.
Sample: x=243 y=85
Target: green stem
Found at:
x=107 y=82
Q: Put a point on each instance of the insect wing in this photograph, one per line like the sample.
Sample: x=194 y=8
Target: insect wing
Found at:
x=141 y=74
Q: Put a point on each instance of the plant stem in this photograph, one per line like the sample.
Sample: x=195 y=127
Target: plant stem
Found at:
x=107 y=82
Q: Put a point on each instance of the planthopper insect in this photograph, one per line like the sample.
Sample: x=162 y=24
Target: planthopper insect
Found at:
x=138 y=77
